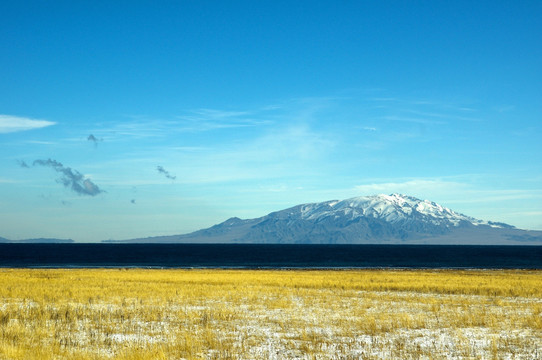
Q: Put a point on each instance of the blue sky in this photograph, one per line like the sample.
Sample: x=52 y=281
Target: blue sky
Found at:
x=204 y=110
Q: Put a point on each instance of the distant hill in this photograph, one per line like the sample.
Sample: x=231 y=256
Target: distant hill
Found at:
x=36 y=241
x=379 y=219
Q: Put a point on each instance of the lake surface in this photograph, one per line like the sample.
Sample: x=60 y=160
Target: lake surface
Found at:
x=255 y=256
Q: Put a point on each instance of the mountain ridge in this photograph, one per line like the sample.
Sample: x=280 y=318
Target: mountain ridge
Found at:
x=377 y=219
x=36 y=241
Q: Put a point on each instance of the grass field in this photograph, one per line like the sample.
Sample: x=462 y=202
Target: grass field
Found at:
x=277 y=314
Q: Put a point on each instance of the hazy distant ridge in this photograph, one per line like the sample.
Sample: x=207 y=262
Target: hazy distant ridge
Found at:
x=36 y=241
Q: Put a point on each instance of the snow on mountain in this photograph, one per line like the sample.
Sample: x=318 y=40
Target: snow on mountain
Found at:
x=394 y=208
x=378 y=219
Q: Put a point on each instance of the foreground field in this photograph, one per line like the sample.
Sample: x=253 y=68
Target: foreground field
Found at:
x=238 y=314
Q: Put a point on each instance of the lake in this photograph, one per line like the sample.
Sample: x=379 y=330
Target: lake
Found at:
x=267 y=256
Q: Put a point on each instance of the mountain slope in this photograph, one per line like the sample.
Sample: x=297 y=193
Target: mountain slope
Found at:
x=380 y=219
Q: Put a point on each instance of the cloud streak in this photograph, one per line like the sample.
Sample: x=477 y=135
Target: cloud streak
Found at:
x=211 y=119
x=166 y=173
x=428 y=187
x=94 y=139
x=22 y=164
x=9 y=124
x=71 y=179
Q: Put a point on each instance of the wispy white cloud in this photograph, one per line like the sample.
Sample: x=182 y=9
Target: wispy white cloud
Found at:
x=214 y=119
x=6 y=181
x=383 y=99
x=284 y=152
x=501 y=195
x=442 y=115
x=278 y=188
x=10 y=123
x=416 y=120
x=412 y=187
x=465 y=194
x=39 y=142
x=528 y=213
x=220 y=114
x=136 y=128
x=422 y=110
x=378 y=140
x=296 y=110
x=281 y=141
x=460 y=189
x=140 y=127
x=189 y=148
x=505 y=108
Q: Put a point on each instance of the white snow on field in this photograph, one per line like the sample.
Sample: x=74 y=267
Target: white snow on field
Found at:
x=296 y=328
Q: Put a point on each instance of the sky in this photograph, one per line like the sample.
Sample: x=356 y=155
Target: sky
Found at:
x=124 y=119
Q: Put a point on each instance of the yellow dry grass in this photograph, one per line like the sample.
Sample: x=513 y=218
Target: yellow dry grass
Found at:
x=276 y=314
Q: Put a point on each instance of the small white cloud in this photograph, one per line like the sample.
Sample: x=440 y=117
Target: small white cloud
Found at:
x=9 y=123
x=415 y=120
x=505 y=108
x=39 y=142
x=220 y=114
x=417 y=187
x=6 y=181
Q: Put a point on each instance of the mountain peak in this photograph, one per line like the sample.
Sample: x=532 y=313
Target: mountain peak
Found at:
x=383 y=219
x=393 y=208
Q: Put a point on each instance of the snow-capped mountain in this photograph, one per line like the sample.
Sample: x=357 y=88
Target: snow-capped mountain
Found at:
x=379 y=219
x=394 y=208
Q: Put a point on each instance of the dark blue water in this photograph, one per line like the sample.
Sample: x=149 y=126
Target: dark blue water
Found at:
x=269 y=256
